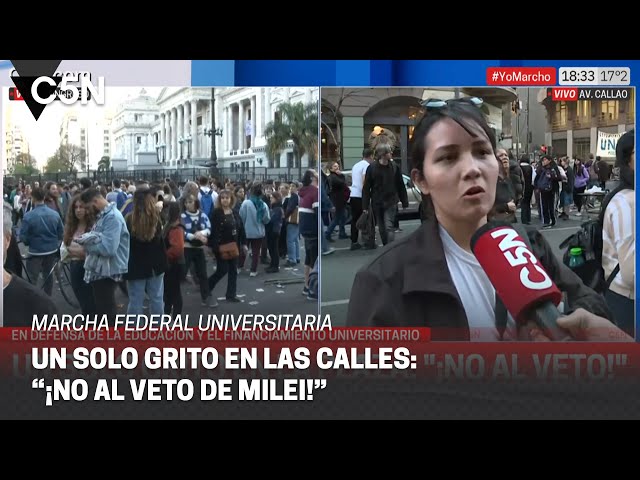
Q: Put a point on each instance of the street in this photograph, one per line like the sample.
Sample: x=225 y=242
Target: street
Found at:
x=339 y=268
x=274 y=293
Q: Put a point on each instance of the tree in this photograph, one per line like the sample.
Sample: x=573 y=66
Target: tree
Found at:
x=24 y=164
x=297 y=123
x=65 y=159
x=104 y=165
x=20 y=169
x=334 y=112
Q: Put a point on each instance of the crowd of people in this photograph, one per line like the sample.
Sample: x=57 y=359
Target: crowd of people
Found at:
x=555 y=186
x=432 y=278
x=144 y=238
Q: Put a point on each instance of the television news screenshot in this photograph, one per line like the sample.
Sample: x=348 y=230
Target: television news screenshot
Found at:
x=182 y=244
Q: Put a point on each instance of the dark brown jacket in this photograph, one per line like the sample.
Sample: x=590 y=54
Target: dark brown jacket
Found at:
x=409 y=285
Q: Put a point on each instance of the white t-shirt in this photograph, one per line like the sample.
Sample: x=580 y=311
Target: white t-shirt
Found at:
x=618 y=242
x=357 y=178
x=476 y=292
x=214 y=194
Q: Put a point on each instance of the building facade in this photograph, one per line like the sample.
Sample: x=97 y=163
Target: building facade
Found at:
x=132 y=131
x=186 y=131
x=350 y=117
x=529 y=122
x=15 y=144
x=572 y=127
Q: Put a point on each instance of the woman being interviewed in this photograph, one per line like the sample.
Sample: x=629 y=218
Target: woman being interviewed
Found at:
x=224 y=244
x=79 y=221
x=147 y=255
x=431 y=278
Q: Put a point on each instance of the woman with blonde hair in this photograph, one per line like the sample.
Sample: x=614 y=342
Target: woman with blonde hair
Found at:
x=147 y=255
x=79 y=221
x=224 y=244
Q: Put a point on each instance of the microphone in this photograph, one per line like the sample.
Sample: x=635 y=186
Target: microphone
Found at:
x=522 y=284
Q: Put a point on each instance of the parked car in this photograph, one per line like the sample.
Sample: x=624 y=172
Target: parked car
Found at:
x=413 y=194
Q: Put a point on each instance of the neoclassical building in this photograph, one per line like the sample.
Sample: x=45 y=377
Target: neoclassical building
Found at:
x=183 y=134
x=131 y=129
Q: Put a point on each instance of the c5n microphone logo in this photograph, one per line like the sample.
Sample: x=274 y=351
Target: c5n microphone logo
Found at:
x=29 y=72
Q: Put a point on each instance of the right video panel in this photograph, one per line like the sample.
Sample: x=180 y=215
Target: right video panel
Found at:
x=423 y=188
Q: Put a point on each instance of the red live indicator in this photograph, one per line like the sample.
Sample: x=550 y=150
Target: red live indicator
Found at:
x=521 y=76
x=14 y=94
x=564 y=94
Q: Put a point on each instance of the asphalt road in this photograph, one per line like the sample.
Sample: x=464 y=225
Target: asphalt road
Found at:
x=267 y=293
x=339 y=268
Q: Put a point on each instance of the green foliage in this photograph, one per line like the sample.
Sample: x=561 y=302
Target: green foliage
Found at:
x=297 y=123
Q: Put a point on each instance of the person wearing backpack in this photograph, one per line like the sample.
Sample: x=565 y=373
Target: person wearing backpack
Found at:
x=581 y=178
x=546 y=179
x=207 y=196
x=618 y=238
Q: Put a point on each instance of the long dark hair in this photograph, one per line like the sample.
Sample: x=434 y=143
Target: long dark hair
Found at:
x=72 y=222
x=145 y=217
x=173 y=215
x=624 y=149
x=466 y=114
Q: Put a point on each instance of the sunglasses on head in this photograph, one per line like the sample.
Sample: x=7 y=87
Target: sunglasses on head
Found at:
x=434 y=103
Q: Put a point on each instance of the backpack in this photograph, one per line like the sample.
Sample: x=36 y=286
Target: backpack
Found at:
x=544 y=180
x=127 y=206
x=121 y=199
x=206 y=202
x=589 y=239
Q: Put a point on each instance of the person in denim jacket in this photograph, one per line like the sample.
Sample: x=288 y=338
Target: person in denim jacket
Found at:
x=110 y=254
x=42 y=232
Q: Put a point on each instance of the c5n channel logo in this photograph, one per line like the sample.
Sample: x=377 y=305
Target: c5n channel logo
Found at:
x=38 y=83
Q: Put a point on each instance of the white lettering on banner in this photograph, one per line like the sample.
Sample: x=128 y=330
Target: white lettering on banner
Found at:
x=607 y=143
x=521 y=77
x=521 y=256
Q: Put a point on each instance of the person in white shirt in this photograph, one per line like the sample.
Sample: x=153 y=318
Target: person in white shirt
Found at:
x=357 y=181
x=618 y=238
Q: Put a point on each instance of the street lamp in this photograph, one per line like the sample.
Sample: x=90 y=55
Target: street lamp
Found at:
x=181 y=140
x=160 y=151
x=212 y=131
x=188 y=141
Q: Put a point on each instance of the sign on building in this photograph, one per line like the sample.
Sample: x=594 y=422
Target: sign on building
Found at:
x=607 y=144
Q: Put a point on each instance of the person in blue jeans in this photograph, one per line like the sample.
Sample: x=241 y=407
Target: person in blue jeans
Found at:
x=106 y=250
x=147 y=255
x=79 y=221
x=326 y=207
x=42 y=232
x=292 y=215
x=338 y=194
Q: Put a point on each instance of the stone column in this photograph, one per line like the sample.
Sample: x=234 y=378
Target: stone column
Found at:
x=229 y=127
x=241 y=125
x=180 y=131
x=219 y=124
x=185 y=126
x=167 y=143
x=162 y=127
x=259 y=114
x=174 y=136
x=267 y=108
x=195 y=151
x=253 y=121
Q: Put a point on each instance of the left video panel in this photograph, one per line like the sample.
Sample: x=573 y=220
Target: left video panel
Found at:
x=175 y=200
